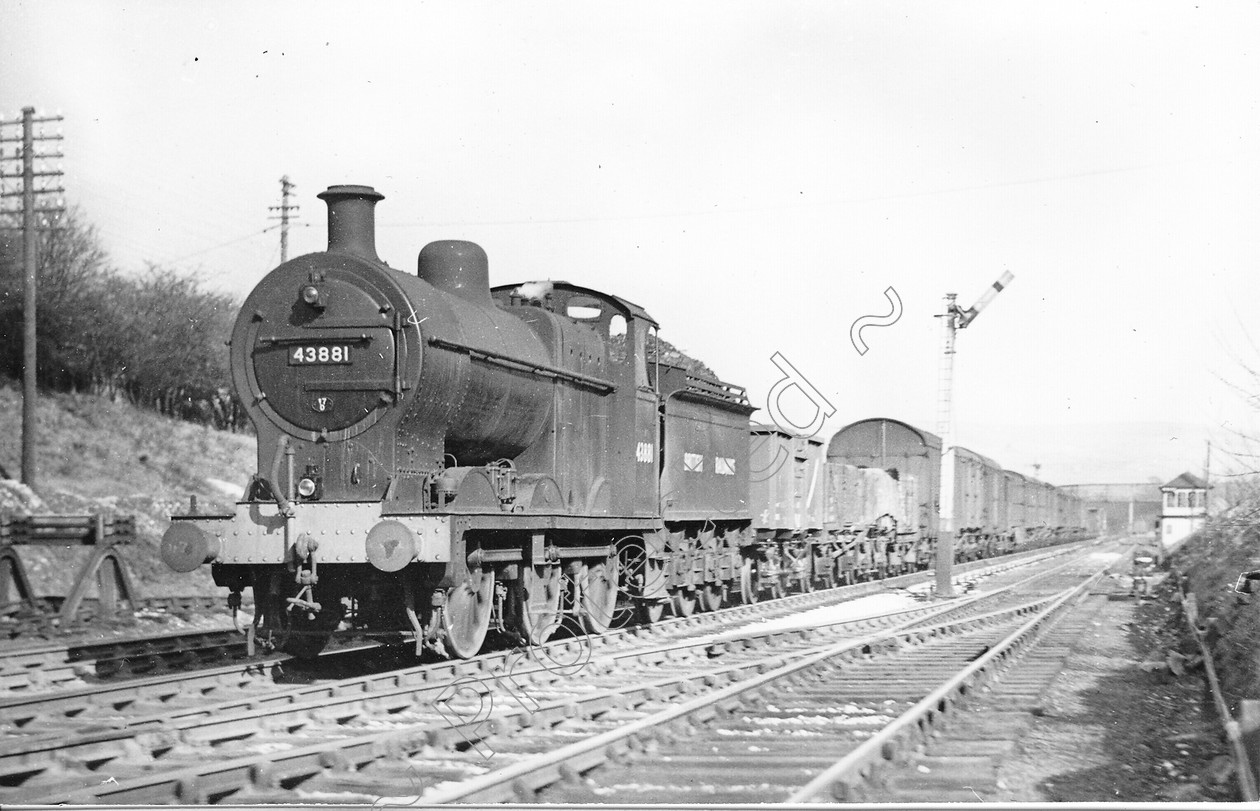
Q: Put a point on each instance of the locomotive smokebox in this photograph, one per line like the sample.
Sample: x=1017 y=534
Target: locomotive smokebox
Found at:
x=352 y=220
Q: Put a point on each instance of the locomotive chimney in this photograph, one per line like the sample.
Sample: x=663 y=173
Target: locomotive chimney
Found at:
x=352 y=220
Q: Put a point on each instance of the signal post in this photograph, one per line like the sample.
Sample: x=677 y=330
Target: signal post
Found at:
x=954 y=319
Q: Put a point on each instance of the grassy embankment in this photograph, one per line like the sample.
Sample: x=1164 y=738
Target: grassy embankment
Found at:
x=1212 y=561
x=95 y=455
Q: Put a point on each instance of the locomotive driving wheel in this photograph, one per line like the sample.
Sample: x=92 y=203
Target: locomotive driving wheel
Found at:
x=599 y=595
x=536 y=602
x=466 y=615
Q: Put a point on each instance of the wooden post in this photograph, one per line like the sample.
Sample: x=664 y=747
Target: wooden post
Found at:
x=13 y=579
x=1249 y=724
x=107 y=569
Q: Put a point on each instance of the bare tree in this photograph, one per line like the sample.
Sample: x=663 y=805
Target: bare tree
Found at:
x=74 y=276
x=157 y=338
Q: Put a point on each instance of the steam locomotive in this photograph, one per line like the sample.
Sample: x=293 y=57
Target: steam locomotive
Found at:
x=439 y=457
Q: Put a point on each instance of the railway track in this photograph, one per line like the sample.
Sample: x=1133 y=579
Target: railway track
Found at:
x=71 y=665
x=42 y=668
x=955 y=757
x=802 y=725
x=19 y=619
x=87 y=701
x=149 y=749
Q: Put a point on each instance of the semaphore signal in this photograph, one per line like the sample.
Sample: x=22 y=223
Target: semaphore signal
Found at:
x=955 y=318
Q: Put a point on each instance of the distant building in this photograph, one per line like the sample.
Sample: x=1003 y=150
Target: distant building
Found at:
x=1184 y=510
x=1120 y=508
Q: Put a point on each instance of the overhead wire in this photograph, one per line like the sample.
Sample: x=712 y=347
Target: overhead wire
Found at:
x=799 y=205
x=221 y=245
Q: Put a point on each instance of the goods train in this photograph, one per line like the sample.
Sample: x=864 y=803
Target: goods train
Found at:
x=442 y=458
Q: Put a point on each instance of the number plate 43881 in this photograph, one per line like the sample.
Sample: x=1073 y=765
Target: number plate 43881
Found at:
x=307 y=355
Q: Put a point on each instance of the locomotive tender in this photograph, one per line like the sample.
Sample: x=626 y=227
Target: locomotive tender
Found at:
x=439 y=457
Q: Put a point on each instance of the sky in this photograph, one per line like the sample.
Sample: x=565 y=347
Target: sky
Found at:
x=754 y=174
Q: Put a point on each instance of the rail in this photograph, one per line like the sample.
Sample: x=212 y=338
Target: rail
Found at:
x=919 y=721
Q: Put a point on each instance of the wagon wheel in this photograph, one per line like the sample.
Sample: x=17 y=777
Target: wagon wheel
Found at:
x=466 y=616
x=651 y=606
x=651 y=612
x=749 y=581
x=536 y=602
x=599 y=595
x=634 y=571
x=683 y=601
x=806 y=579
x=826 y=568
x=712 y=595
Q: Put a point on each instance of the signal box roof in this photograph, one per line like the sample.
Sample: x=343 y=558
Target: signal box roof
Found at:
x=1186 y=481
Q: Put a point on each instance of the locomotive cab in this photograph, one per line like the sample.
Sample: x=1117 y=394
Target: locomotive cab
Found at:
x=609 y=446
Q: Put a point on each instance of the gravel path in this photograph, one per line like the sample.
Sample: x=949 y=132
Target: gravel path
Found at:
x=1117 y=725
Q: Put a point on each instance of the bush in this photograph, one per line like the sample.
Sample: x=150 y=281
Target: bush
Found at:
x=157 y=339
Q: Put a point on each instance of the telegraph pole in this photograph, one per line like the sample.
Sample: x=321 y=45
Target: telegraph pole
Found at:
x=1207 y=481
x=286 y=191
x=30 y=262
x=954 y=319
